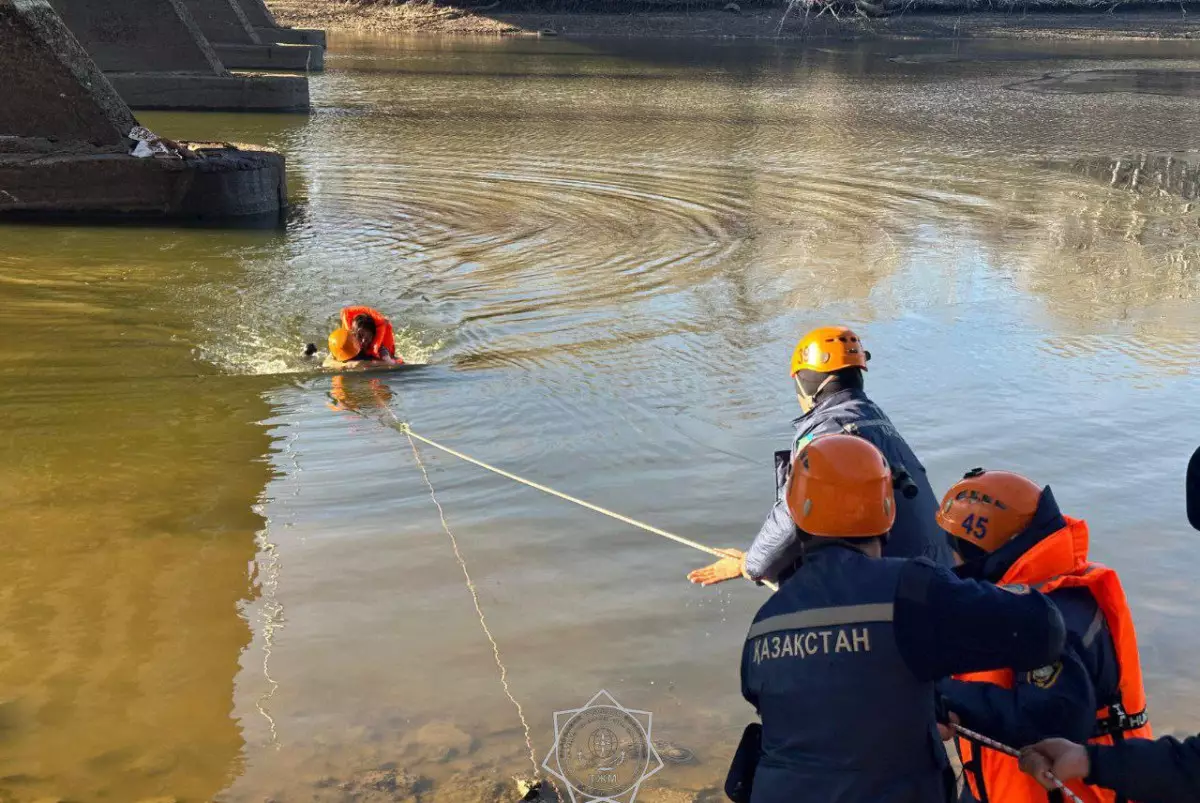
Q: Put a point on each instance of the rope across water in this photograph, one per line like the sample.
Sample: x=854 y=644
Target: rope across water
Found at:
x=407 y=430
x=462 y=563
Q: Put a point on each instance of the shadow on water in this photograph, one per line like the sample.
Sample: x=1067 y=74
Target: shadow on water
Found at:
x=129 y=486
x=1168 y=174
x=273 y=221
x=1163 y=81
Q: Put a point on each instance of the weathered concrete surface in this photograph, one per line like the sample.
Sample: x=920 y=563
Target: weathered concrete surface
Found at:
x=303 y=58
x=257 y=14
x=291 y=36
x=269 y=30
x=223 y=21
x=52 y=89
x=194 y=92
x=64 y=141
x=133 y=35
x=224 y=182
x=155 y=55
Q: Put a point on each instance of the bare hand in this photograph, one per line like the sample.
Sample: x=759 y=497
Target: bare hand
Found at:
x=1064 y=758
x=730 y=567
x=947 y=732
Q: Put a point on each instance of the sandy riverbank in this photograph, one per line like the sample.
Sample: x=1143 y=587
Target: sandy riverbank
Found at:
x=926 y=18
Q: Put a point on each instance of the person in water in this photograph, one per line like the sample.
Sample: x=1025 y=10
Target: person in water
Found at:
x=1008 y=530
x=827 y=367
x=364 y=335
x=841 y=662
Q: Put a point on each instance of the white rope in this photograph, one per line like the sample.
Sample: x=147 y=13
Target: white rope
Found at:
x=1009 y=751
x=478 y=610
x=407 y=430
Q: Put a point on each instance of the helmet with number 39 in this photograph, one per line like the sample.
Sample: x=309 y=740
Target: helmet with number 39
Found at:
x=989 y=508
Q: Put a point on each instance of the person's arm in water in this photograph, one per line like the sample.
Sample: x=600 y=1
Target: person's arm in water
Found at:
x=948 y=626
x=1161 y=771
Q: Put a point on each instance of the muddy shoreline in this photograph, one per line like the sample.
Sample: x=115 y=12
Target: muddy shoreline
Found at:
x=931 y=20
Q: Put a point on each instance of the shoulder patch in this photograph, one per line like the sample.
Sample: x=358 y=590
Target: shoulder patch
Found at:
x=1015 y=588
x=1046 y=676
x=801 y=442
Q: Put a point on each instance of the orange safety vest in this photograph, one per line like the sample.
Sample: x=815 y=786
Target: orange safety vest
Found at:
x=1060 y=561
x=384 y=337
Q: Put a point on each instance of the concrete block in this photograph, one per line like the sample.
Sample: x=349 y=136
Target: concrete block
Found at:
x=304 y=58
x=155 y=55
x=257 y=13
x=269 y=30
x=224 y=182
x=65 y=146
x=195 y=92
x=52 y=89
x=223 y=21
x=139 y=35
x=291 y=36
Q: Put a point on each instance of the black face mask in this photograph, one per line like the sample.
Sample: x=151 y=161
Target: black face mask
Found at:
x=809 y=381
x=973 y=557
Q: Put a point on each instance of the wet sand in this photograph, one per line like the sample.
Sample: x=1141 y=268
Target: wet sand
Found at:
x=922 y=20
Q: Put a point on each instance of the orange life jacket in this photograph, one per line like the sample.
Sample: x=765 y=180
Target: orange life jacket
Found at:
x=1060 y=561
x=384 y=337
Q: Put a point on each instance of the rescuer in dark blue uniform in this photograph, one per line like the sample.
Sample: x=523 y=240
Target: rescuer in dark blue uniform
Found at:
x=827 y=367
x=841 y=662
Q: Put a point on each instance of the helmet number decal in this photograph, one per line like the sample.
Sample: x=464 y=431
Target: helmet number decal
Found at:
x=975 y=526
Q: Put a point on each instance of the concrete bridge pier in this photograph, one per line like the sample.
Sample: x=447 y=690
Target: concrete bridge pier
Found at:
x=238 y=45
x=65 y=144
x=263 y=23
x=155 y=55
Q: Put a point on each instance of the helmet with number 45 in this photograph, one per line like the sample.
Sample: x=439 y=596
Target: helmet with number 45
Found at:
x=989 y=508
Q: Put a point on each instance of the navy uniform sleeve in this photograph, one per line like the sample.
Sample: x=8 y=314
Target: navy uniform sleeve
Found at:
x=750 y=694
x=1053 y=700
x=777 y=534
x=1162 y=771
x=948 y=626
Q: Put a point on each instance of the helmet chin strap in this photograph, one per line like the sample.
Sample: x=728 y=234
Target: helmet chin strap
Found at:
x=808 y=402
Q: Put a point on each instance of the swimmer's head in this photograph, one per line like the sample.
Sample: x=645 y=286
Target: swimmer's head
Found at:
x=363 y=330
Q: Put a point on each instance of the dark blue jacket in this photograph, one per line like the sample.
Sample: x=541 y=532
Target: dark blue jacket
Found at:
x=1162 y=771
x=1056 y=700
x=841 y=662
x=915 y=533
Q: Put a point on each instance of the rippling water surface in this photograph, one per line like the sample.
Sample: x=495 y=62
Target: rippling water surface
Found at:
x=223 y=573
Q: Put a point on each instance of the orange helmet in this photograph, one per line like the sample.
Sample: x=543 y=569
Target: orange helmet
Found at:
x=829 y=349
x=343 y=345
x=841 y=487
x=989 y=508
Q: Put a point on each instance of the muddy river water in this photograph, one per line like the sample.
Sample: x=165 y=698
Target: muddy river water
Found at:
x=222 y=575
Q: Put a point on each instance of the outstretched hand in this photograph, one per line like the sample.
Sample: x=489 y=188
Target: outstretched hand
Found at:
x=1065 y=759
x=730 y=567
